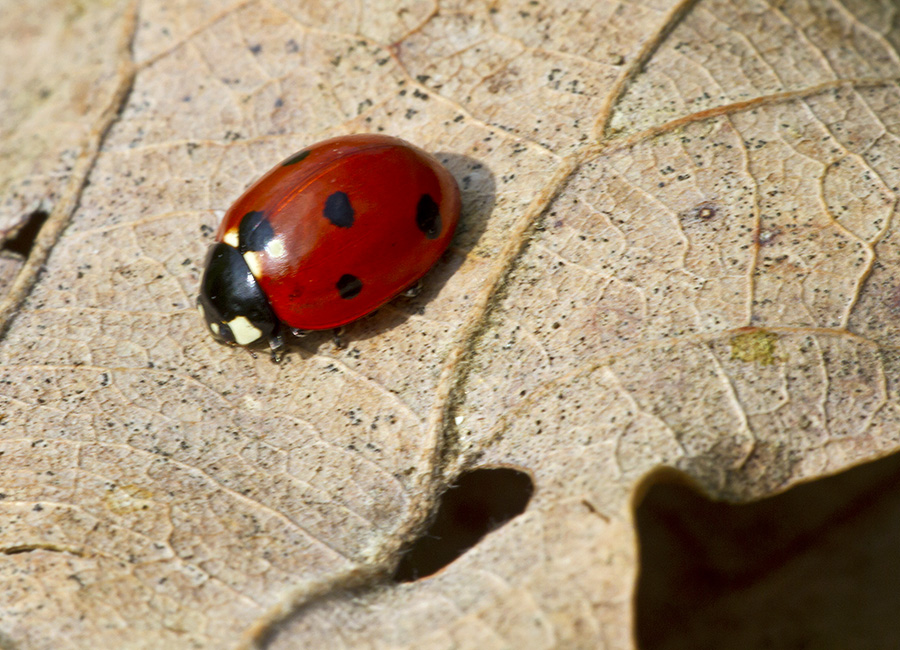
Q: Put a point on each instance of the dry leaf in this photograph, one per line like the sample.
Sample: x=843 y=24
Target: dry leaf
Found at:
x=678 y=248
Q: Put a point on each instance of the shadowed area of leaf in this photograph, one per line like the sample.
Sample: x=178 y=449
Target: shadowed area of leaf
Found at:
x=22 y=241
x=479 y=502
x=815 y=566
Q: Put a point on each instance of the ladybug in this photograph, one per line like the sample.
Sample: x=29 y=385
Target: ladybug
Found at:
x=326 y=237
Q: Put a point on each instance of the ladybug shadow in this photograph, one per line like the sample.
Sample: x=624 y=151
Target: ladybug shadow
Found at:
x=477 y=189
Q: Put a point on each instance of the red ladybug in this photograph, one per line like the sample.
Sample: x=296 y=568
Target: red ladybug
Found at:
x=326 y=237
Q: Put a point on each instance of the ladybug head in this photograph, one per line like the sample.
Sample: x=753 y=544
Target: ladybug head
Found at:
x=231 y=301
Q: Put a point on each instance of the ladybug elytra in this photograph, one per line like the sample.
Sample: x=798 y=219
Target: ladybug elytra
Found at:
x=326 y=237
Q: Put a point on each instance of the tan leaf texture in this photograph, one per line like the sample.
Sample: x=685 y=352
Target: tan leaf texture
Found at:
x=678 y=248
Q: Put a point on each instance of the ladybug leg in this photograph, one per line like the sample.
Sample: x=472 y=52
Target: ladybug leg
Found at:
x=336 y=337
x=412 y=291
x=276 y=343
x=299 y=333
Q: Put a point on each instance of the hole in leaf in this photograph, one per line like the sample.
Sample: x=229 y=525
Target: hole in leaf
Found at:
x=22 y=242
x=479 y=502
x=816 y=566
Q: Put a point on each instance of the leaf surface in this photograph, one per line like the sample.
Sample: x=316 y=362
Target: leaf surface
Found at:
x=678 y=248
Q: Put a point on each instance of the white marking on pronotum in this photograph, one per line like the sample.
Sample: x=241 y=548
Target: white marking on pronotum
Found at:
x=231 y=238
x=275 y=248
x=243 y=330
x=215 y=328
x=253 y=263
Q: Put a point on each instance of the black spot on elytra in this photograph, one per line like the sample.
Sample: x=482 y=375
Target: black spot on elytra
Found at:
x=338 y=210
x=428 y=217
x=349 y=286
x=255 y=232
x=297 y=157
